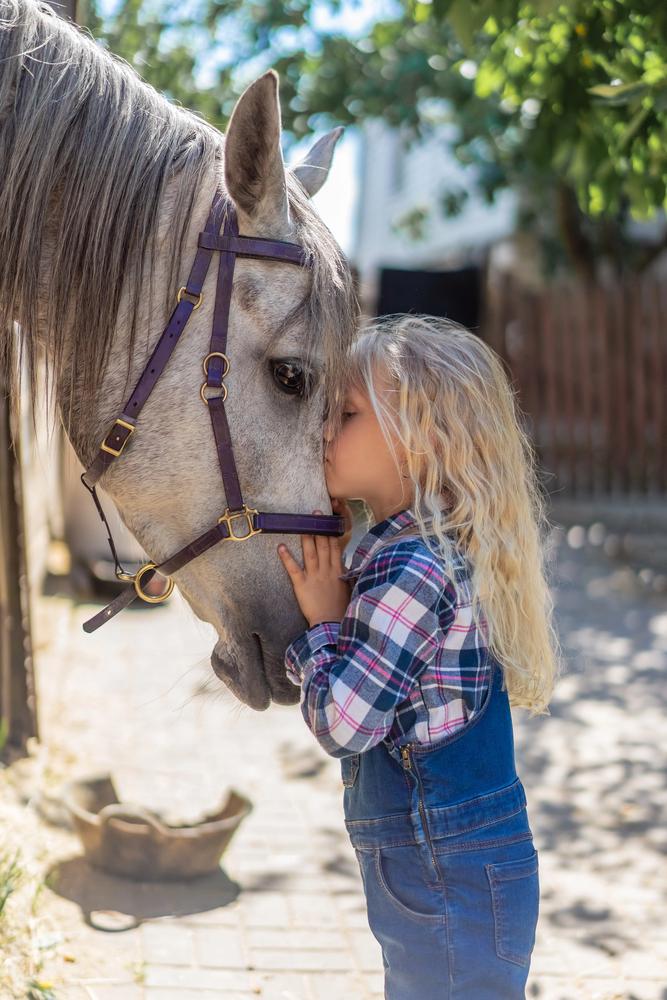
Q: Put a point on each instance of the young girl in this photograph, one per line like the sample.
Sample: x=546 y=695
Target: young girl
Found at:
x=416 y=650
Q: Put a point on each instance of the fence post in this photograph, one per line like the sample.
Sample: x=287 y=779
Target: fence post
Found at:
x=18 y=709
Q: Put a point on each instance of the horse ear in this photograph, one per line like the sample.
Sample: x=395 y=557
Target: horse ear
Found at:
x=254 y=167
x=313 y=170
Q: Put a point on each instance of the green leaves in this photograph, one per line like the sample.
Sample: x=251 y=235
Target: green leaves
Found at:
x=622 y=93
x=544 y=94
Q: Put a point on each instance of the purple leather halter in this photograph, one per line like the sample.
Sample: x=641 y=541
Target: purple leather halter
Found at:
x=216 y=366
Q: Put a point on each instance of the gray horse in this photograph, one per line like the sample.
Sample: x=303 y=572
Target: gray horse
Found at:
x=104 y=186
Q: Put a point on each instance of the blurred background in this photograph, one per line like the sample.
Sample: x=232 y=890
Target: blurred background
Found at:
x=503 y=164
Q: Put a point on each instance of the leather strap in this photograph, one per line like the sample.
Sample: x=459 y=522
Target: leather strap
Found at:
x=118 y=434
x=270 y=523
x=217 y=368
x=252 y=246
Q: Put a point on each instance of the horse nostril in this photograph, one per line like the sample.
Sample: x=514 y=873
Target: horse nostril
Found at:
x=256 y=636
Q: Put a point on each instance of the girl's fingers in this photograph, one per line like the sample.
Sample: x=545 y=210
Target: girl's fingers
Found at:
x=309 y=552
x=322 y=547
x=289 y=562
x=319 y=552
x=336 y=554
x=324 y=551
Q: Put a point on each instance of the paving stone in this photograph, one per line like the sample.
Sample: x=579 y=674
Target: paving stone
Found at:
x=285 y=986
x=374 y=983
x=169 y=943
x=311 y=938
x=337 y=986
x=265 y=909
x=593 y=988
x=265 y=958
x=116 y=991
x=181 y=994
x=308 y=911
x=366 y=949
x=223 y=916
x=177 y=977
x=219 y=947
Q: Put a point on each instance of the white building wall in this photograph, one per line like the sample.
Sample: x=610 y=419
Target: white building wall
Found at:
x=394 y=181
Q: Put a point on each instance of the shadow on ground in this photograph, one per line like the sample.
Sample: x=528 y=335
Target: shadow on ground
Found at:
x=92 y=889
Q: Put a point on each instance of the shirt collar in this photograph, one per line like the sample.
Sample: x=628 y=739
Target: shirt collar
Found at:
x=371 y=540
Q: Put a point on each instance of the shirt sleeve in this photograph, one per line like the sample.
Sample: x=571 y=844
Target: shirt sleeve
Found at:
x=354 y=673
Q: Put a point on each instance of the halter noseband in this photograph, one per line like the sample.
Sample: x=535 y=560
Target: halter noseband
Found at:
x=216 y=366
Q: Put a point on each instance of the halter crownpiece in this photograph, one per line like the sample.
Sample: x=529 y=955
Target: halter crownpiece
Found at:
x=238 y=522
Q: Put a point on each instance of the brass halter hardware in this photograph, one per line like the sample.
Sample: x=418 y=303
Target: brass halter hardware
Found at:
x=117 y=451
x=204 y=385
x=246 y=512
x=217 y=354
x=182 y=292
x=149 y=598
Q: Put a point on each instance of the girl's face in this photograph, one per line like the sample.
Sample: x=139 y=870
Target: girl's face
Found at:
x=358 y=462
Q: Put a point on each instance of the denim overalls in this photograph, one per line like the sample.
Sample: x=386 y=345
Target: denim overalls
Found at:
x=447 y=859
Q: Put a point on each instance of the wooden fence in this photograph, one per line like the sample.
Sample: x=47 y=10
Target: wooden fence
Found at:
x=589 y=365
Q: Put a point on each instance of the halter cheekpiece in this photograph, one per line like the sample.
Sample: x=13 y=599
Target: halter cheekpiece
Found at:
x=238 y=522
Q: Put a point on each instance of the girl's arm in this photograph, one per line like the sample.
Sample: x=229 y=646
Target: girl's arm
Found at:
x=354 y=673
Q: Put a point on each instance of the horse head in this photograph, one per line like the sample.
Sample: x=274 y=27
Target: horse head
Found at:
x=106 y=187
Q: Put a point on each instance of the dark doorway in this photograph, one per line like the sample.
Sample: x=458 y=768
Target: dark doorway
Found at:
x=454 y=294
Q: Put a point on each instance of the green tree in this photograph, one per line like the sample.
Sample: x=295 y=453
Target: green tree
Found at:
x=564 y=102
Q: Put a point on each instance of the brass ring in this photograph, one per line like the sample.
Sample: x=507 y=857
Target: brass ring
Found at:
x=217 y=354
x=149 y=597
x=183 y=291
x=205 y=385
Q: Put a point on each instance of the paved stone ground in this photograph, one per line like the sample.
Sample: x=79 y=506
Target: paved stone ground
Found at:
x=286 y=917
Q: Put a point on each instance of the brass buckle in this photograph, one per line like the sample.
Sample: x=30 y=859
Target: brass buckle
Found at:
x=183 y=291
x=247 y=512
x=217 y=354
x=205 y=385
x=116 y=451
x=149 y=598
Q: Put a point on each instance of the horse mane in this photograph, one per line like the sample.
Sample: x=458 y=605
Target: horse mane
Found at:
x=86 y=150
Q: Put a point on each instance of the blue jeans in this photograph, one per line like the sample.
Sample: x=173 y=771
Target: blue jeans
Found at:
x=447 y=859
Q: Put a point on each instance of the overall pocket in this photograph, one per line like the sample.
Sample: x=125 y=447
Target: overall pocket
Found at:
x=515 y=898
x=348 y=768
x=396 y=875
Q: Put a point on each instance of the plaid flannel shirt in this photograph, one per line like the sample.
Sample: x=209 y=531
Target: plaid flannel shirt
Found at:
x=406 y=662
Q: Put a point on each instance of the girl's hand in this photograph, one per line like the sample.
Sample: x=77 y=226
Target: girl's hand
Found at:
x=321 y=595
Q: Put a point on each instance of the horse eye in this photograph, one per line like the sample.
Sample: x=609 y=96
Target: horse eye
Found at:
x=290 y=376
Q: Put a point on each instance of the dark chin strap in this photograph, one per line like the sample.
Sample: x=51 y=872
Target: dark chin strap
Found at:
x=239 y=522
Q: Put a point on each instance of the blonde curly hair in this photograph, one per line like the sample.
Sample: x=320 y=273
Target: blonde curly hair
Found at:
x=474 y=474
